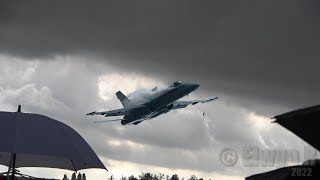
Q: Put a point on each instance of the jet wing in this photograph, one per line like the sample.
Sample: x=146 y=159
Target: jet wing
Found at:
x=125 y=120
x=120 y=112
x=131 y=115
x=117 y=112
x=183 y=104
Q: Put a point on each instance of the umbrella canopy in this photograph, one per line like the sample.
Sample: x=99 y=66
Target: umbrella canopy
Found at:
x=304 y=123
x=33 y=140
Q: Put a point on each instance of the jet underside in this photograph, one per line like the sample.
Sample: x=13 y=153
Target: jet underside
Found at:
x=155 y=103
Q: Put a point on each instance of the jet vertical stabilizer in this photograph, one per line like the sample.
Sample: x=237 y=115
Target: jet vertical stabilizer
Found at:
x=122 y=98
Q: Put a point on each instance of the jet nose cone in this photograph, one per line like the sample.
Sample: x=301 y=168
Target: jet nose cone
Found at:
x=194 y=86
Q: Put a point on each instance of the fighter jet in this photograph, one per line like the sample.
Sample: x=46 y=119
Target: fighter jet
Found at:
x=147 y=104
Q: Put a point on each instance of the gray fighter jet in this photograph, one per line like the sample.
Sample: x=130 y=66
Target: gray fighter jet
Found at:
x=147 y=104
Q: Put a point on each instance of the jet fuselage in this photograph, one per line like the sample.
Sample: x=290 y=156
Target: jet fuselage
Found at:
x=146 y=104
x=161 y=102
x=171 y=94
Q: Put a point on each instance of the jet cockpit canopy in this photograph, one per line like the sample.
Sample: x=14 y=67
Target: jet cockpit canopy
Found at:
x=177 y=83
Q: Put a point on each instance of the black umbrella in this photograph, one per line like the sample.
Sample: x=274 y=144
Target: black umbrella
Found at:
x=33 y=140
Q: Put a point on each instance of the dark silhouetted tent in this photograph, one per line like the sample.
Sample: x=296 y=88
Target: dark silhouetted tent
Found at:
x=304 y=123
x=304 y=171
x=33 y=140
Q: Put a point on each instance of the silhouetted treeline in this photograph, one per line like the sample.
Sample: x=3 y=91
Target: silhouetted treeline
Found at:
x=75 y=177
x=150 y=176
x=143 y=176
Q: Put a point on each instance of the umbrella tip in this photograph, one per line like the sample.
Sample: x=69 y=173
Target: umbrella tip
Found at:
x=19 y=108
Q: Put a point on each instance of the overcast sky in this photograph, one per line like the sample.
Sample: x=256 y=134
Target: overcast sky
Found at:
x=65 y=59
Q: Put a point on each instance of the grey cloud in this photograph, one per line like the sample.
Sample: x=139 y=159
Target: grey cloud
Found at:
x=262 y=56
x=65 y=90
x=256 y=51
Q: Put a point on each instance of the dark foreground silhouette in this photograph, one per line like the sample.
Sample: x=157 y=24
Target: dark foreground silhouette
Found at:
x=304 y=123
x=308 y=170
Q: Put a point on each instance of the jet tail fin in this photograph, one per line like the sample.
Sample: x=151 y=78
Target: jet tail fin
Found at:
x=122 y=98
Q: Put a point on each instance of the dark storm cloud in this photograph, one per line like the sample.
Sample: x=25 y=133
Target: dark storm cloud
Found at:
x=266 y=51
x=67 y=87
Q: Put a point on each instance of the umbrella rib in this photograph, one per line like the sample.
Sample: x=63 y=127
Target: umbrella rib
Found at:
x=73 y=166
x=72 y=143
